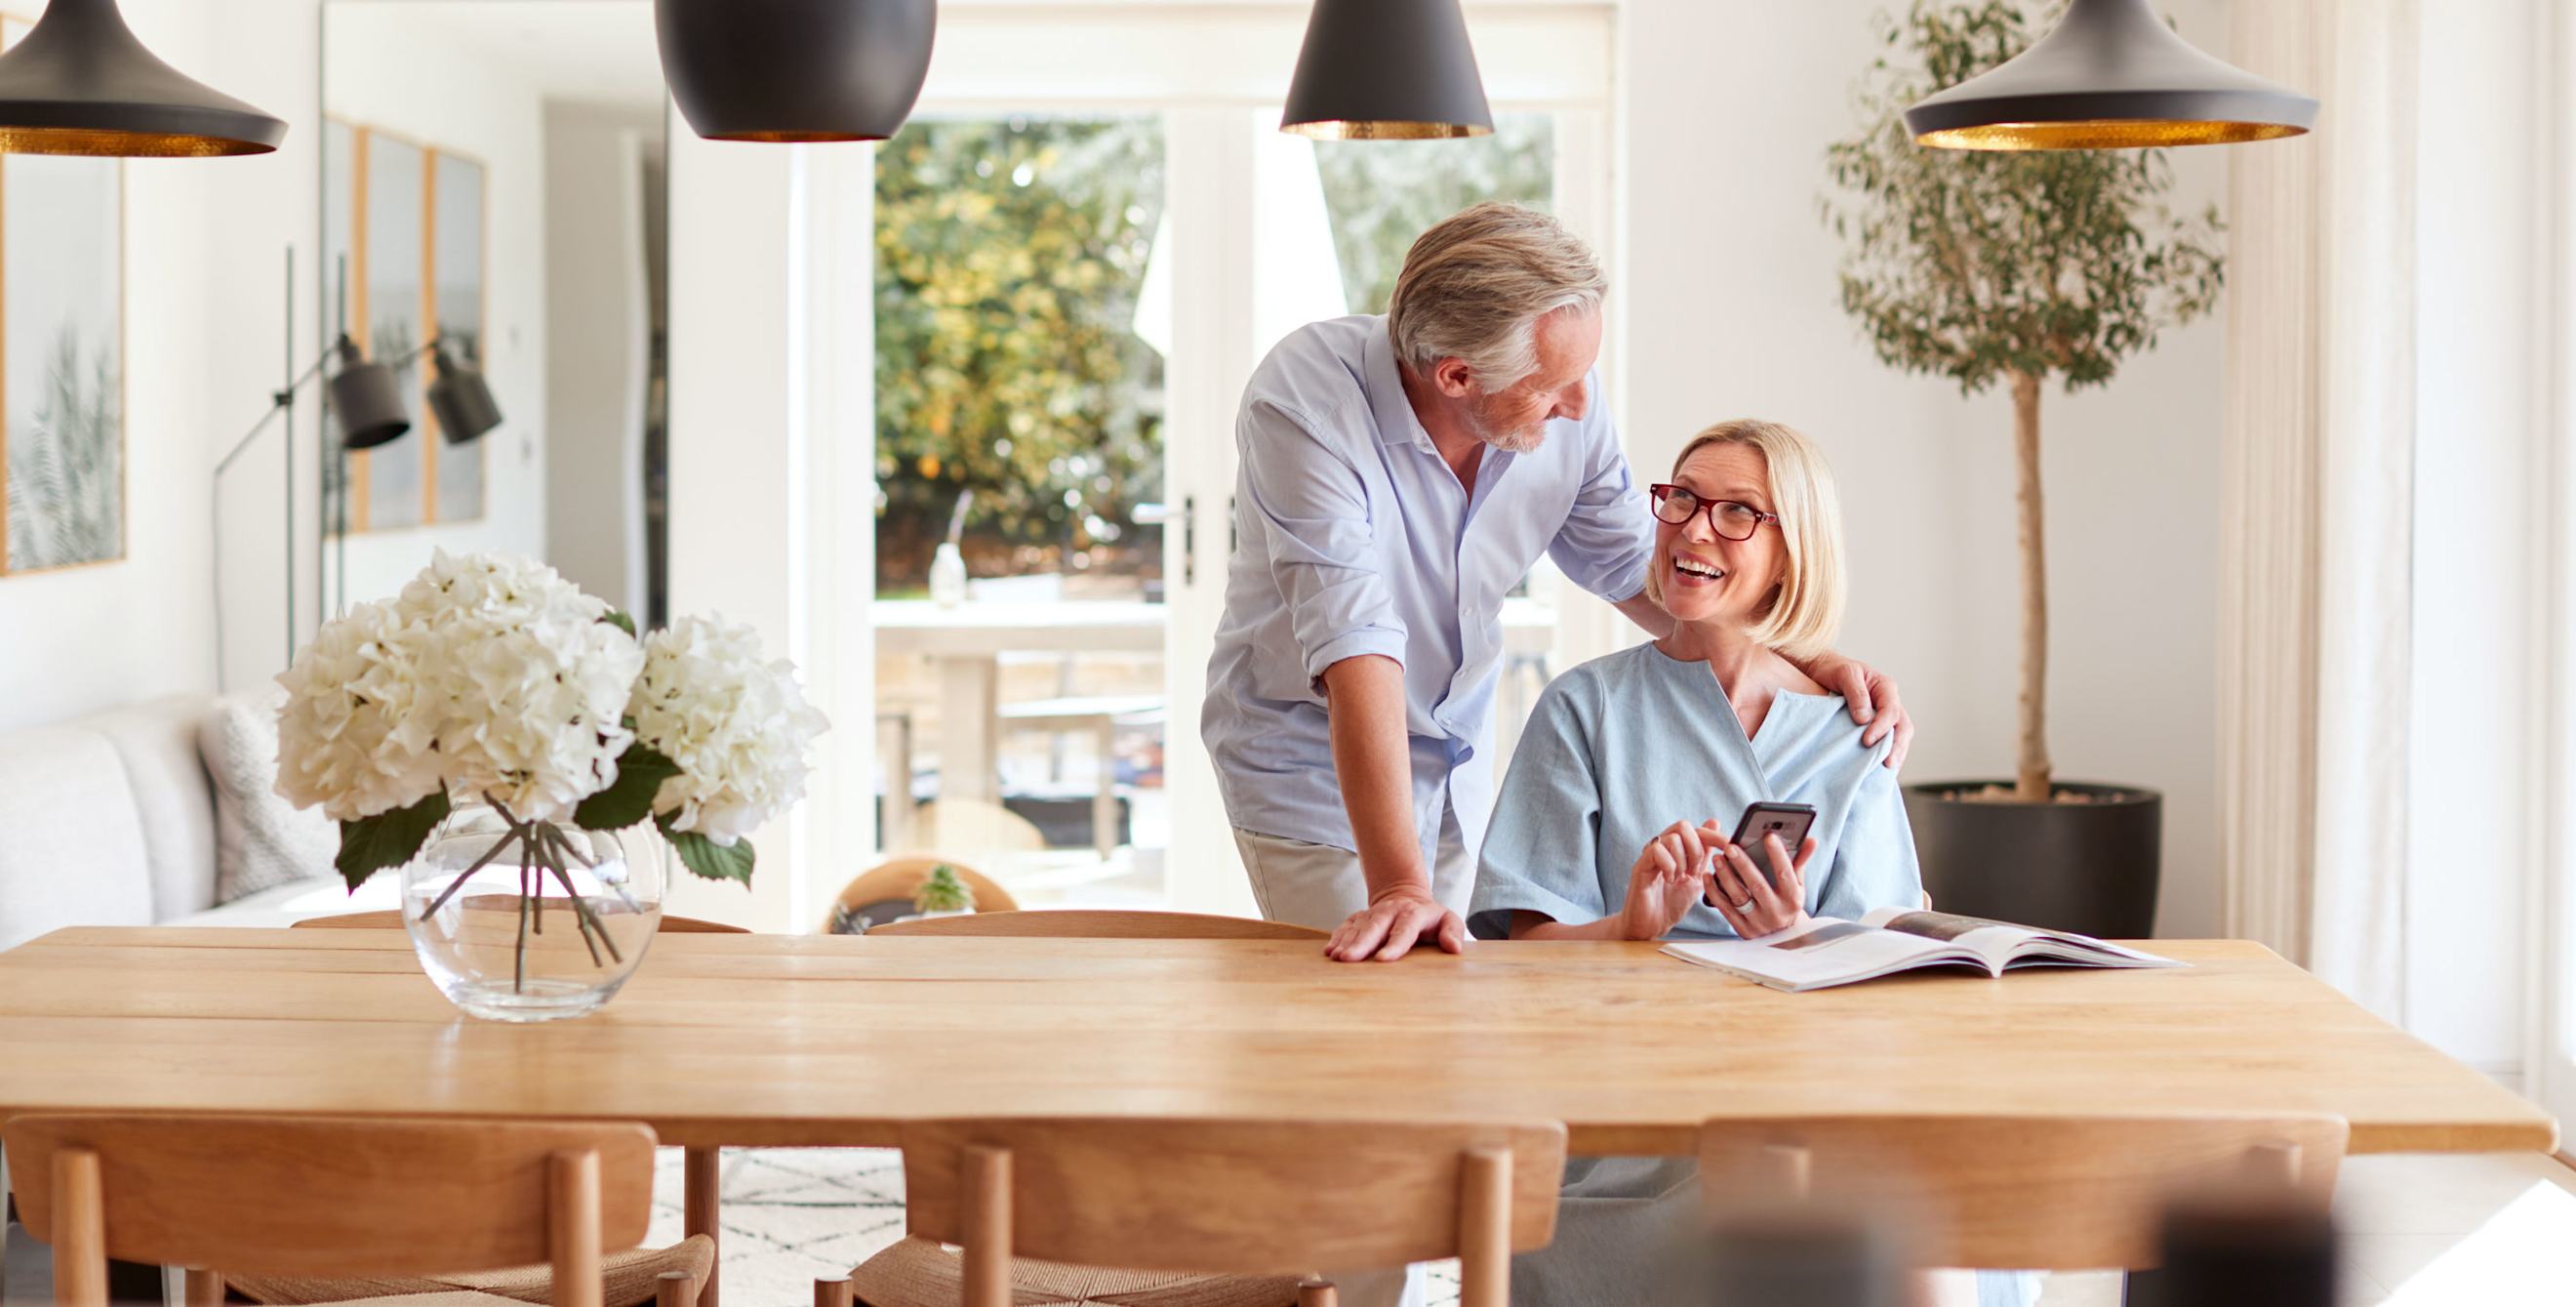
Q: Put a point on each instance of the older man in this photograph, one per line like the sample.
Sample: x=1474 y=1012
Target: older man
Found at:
x=1399 y=477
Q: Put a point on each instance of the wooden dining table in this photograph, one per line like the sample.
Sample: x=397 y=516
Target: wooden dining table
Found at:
x=761 y=1040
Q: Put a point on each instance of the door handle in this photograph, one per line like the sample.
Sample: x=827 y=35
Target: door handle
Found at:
x=1189 y=540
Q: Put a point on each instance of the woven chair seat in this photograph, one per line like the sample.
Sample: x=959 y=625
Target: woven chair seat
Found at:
x=628 y=1281
x=921 y=1273
x=450 y=1298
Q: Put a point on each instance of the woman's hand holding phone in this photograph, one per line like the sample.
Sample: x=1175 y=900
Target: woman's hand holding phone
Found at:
x=1748 y=899
x=1671 y=874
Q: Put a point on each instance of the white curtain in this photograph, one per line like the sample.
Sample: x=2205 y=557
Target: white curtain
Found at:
x=2320 y=461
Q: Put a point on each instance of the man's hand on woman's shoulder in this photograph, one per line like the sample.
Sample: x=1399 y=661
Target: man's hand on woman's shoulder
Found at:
x=1871 y=697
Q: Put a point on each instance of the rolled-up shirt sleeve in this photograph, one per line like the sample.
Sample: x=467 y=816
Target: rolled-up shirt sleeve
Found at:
x=1608 y=535
x=1313 y=512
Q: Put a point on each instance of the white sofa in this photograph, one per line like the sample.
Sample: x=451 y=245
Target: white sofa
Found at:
x=111 y=820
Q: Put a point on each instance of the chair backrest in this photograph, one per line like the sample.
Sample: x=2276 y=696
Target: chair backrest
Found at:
x=1085 y=923
x=897 y=879
x=2007 y=1192
x=1251 y=1197
x=391 y=918
x=304 y=1196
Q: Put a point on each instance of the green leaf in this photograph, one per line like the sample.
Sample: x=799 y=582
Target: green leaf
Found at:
x=388 y=839
x=640 y=773
x=620 y=620
x=704 y=856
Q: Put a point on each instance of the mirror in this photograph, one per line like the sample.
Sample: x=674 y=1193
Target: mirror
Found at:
x=494 y=176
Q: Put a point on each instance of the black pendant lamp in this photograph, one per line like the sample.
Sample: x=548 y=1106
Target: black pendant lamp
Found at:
x=2110 y=76
x=1386 y=70
x=80 y=82
x=795 y=70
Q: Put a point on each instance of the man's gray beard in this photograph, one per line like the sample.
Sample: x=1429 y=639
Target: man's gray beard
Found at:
x=1514 y=442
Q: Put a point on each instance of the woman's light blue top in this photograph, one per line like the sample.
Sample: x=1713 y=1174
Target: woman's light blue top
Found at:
x=1622 y=747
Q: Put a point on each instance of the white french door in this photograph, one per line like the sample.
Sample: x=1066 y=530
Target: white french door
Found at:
x=1255 y=234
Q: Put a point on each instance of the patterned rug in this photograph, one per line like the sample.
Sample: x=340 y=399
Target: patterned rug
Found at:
x=792 y=1216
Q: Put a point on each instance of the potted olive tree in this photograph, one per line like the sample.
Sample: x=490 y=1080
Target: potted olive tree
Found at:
x=2015 y=269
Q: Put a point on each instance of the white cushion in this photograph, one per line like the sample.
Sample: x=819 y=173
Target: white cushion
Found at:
x=72 y=849
x=157 y=742
x=261 y=841
x=287 y=904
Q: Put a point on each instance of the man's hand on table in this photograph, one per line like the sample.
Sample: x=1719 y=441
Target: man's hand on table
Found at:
x=1394 y=921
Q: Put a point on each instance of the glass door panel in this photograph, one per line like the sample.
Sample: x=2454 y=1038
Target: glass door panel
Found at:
x=1020 y=357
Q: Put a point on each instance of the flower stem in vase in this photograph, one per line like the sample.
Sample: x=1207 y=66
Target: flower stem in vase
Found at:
x=565 y=845
x=582 y=911
x=461 y=877
x=519 y=961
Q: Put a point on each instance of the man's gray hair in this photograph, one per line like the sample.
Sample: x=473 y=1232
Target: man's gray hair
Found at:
x=1476 y=284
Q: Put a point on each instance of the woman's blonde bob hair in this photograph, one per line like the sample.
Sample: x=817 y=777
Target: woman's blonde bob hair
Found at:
x=1804 y=613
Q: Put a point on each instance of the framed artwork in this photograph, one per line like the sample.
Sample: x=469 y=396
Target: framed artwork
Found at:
x=339 y=296
x=411 y=220
x=62 y=359
x=389 y=484
x=456 y=207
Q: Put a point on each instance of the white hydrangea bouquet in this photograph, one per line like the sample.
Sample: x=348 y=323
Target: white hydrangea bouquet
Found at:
x=492 y=678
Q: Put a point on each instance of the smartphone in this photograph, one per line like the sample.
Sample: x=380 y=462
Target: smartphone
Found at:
x=1789 y=821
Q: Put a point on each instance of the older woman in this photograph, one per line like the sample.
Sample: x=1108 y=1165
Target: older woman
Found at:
x=1614 y=822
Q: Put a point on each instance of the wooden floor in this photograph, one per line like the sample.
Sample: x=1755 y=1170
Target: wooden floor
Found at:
x=2432 y=1231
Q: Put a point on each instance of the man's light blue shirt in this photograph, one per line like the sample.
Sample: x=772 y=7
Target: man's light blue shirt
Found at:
x=1353 y=537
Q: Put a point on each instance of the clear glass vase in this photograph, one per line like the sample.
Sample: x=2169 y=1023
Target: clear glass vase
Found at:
x=532 y=921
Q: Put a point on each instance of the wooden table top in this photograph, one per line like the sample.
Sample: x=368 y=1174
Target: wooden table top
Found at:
x=836 y=1040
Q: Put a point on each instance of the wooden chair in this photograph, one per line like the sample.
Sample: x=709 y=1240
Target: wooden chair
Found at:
x=1243 y=1198
x=1084 y=923
x=352 y=1200
x=896 y=879
x=2018 y=1192
x=392 y=917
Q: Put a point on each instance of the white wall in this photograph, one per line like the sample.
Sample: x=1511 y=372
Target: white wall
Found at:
x=88 y=638
x=388 y=66
x=1729 y=307
x=598 y=346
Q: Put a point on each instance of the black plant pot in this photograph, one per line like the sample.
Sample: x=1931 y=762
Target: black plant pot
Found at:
x=2087 y=867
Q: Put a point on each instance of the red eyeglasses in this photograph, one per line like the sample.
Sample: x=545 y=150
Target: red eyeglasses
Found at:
x=1731 y=520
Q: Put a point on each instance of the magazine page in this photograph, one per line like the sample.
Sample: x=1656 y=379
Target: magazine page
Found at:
x=1994 y=941
x=1822 y=951
x=2001 y=943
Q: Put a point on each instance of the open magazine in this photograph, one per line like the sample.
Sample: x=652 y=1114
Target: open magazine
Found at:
x=1826 y=951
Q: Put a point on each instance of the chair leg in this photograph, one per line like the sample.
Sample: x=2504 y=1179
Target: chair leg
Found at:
x=988 y=1227
x=572 y=1227
x=1317 y=1293
x=80 y=1230
x=203 y=1288
x=698 y=1211
x=1485 y=1229
x=674 y=1289
x=834 y=1293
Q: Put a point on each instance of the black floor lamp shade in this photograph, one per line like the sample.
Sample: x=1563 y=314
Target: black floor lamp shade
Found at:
x=2109 y=76
x=795 y=70
x=1386 y=70
x=81 y=83
x=367 y=400
x=461 y=399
